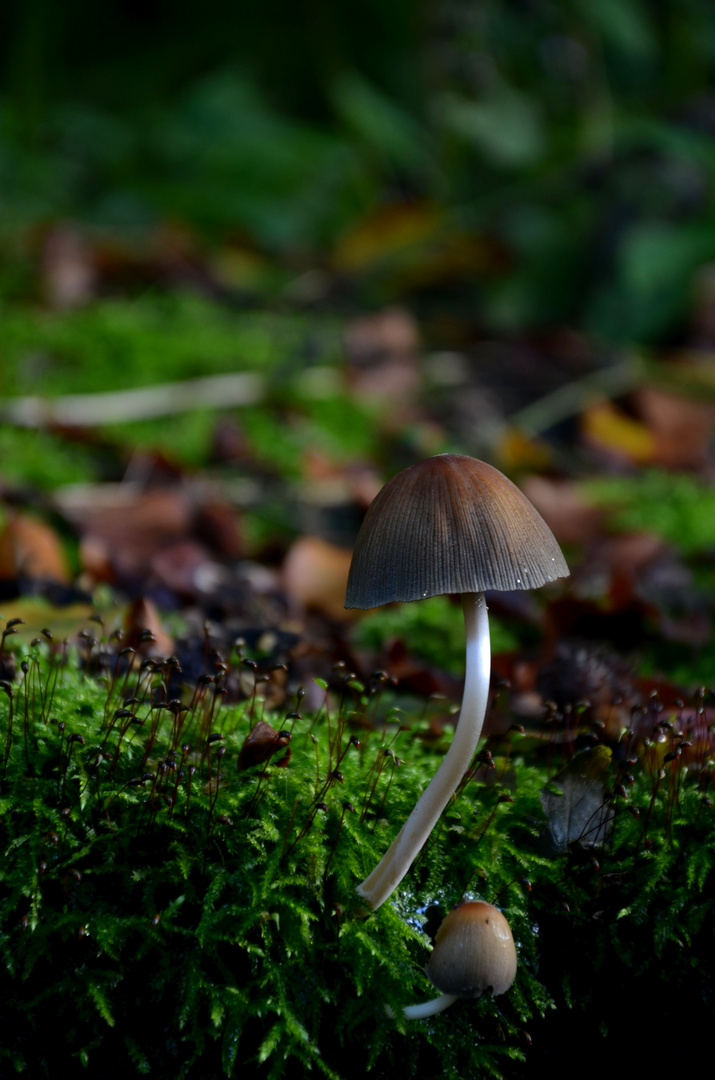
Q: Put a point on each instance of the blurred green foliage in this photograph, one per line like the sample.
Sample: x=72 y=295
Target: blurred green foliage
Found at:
x=121 y=343
x=41 y=459
x=116 y=344
x=575 y=138
x=677 y=506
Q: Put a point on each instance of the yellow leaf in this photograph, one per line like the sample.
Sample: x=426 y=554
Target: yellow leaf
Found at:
x=609 y=427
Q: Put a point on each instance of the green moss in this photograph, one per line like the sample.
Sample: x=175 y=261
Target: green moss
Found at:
x=156 y=338
x=183 y=927
x=160 y=338
x=40 y=458
x=676 y=506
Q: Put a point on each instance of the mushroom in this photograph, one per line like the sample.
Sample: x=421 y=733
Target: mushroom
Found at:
x=473 y=952
x=450 y=524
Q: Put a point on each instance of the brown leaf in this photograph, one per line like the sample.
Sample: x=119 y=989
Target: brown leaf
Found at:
x=186 y=568
x=611 y=430
x=144 y=630
x=95 y=560
x=569 y=517
x=612 y=568
x=260 y=745
x=315 y=574
x=217 y=523
x=123 y=530
x=681 y=428
x=32 y=548
x=108 y=508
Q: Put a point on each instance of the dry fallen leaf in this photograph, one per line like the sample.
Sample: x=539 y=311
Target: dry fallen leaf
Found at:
x=612 y=431
x=315 y=574
x=31 y=548
x=681 y=428
x=576 y=803
x=187 y=569
x=260 y=745
x=144 y=630
x=567 y=514
x=218 y=524
x=129 y=534
x=516 y=451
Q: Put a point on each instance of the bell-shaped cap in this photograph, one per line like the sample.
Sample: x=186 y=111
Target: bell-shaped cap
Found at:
x=450 y=524
x=473 y=952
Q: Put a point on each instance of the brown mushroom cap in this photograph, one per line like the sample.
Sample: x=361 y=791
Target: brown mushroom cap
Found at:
x=473 y=952
x=450 y=524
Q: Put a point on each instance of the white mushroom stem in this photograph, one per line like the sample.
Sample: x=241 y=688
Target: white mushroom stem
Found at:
x=425 y=1008
x=398 y=858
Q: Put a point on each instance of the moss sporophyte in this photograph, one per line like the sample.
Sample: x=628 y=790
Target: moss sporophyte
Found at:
x=165 y=910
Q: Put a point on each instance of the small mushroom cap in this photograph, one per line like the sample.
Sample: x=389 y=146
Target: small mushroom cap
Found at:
x=450 y=524
x=473 y=952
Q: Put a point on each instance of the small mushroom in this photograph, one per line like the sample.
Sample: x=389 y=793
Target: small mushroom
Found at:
x=450 y=524
x=473 y=952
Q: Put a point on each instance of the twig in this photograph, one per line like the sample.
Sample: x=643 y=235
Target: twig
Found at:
x=571 y=399
x=87 y=410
